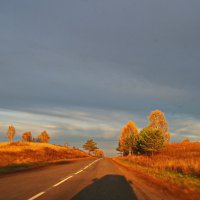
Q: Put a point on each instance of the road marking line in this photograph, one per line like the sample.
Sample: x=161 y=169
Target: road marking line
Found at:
x=91 y=163
x=86 y=167
x=36 y=196
x=62 y=181
x=79 y=172
x=41 y=193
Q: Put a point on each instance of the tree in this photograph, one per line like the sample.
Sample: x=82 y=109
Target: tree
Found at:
x=131 y=142
x=98 y=153
x=158 y=121
x=27 y=137
x=120 y=149
x=35 y=139
x=11 y=133
x=151 y=140
x=90 y=146
x=128 y=138
x=44 y=137
x=66 y=145
x=185 y=140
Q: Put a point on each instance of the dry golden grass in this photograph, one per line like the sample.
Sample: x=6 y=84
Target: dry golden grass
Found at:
x=28 y=152
x=182 y=157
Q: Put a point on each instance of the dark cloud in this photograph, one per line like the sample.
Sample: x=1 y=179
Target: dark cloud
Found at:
x=131 y=56
x=104 y=54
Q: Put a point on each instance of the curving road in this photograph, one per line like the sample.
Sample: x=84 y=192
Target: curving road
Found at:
x=94 y=179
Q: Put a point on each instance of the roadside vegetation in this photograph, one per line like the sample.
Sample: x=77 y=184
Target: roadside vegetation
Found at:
x=149 y=151
x=17 y=154
x=150 y=140
x=183 y=157
x=34 y=151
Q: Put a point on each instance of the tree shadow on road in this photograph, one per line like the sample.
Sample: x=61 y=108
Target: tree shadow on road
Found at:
x=109 y=187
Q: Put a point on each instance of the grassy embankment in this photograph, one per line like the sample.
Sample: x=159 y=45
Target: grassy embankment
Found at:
x=178 y=164
x=18 y=156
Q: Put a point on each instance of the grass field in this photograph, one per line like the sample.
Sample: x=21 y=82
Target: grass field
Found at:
x=177 y=163
x=28 y=152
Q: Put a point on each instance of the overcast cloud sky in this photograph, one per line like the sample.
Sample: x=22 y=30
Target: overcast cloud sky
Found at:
x=83 y=68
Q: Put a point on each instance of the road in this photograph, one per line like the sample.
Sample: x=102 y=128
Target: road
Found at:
x=96 y=179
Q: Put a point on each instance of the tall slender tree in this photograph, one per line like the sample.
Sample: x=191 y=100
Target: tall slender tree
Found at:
x=11 y=133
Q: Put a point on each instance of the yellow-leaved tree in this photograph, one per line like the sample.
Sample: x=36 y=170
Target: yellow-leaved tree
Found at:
x=128 y=138
x=27 y=137
x=158 y=121
x=98 y=153
x=44 y=137
x=11 y=133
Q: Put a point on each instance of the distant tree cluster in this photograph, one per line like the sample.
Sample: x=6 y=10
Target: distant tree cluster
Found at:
x=149 y=140
x=91 y=147
x=99 y=153
x=44 y=137
x=27 y=136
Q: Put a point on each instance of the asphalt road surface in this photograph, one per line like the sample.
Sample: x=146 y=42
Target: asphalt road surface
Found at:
x=94 y=179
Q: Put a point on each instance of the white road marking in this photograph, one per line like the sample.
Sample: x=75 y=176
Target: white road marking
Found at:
x=36 y=196
x=91 y=163
x=62 y=181
x=41 y=193
x=78 y=172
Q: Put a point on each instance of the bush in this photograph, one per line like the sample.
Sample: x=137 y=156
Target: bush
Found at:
x=151 y=141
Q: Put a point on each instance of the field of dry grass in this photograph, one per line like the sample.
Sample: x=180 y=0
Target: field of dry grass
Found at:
x=28 y=152
x=178 y=157
x=177 y=163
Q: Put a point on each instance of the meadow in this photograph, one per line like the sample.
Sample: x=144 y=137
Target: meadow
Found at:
x=177 y=163
x=31 y=152
x=178 y=157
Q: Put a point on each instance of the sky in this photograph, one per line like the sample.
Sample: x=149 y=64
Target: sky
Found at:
x=81 y=69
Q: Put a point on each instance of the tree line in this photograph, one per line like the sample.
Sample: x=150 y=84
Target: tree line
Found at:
x=149 y=140
x=44 y=137
x=27 y=136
